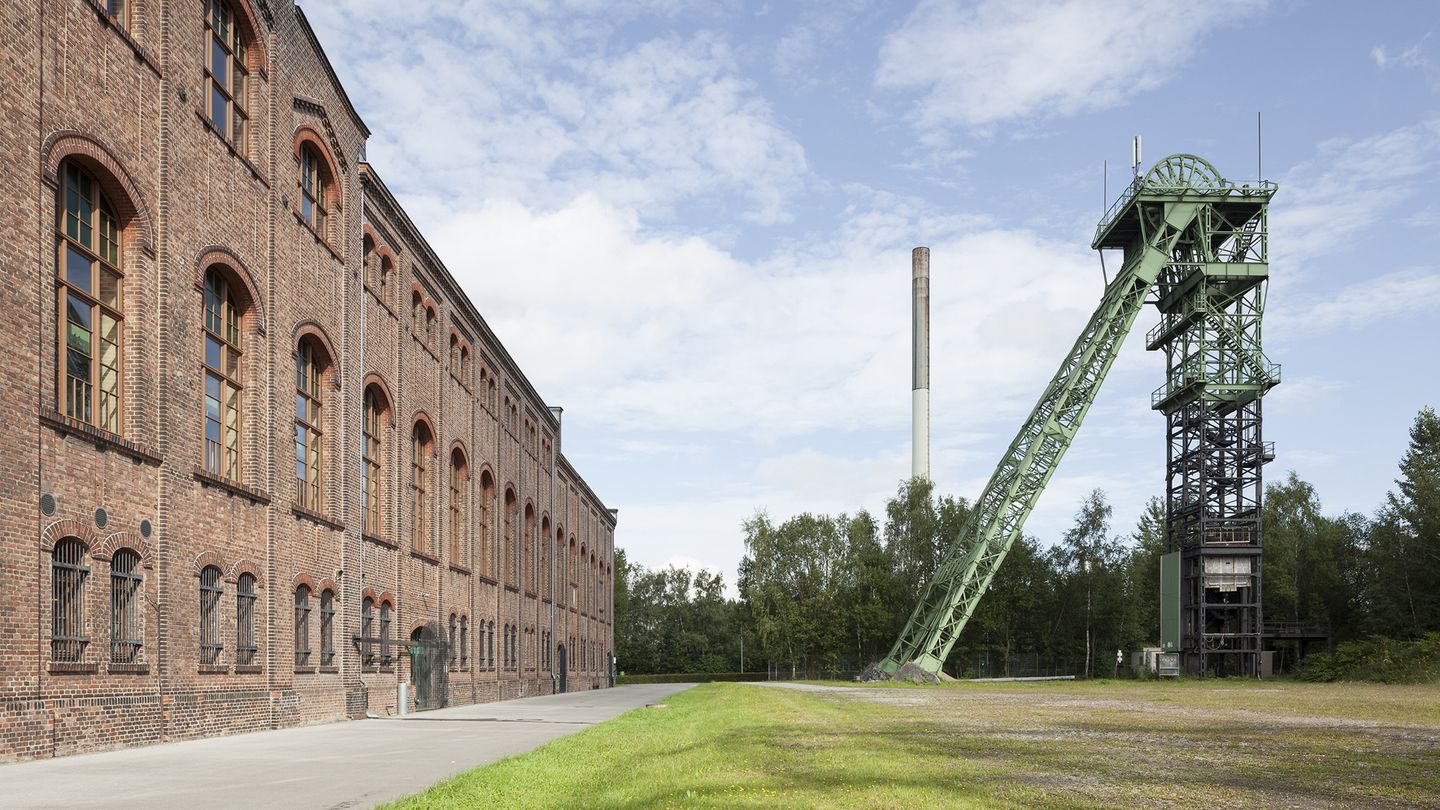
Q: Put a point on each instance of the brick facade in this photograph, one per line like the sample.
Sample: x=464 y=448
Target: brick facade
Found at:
x=514 y=539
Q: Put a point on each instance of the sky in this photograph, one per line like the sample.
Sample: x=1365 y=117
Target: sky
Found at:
x=691 y=224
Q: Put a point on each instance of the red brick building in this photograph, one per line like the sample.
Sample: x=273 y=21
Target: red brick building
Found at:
x=263 y=462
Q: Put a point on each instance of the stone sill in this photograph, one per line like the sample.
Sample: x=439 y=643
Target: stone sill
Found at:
x=73 y=668
x=379 y=541
x=248 y=669
x=315 y=517
x=420 y=555
x=255 y=496
x=128 y=669
x=103 y=439
x=213 y=669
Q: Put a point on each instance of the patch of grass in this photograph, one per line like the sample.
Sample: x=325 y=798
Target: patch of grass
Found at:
x=1066 y=744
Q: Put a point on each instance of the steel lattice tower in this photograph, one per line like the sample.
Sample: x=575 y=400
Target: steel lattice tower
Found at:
x=1199 y=242
x=1211 y=298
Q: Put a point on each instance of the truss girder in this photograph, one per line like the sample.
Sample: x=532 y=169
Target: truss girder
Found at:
x=1179 y=220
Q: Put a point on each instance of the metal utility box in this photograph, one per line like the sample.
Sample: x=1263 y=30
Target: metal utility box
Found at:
x=1167 y=665
x=1170 y=602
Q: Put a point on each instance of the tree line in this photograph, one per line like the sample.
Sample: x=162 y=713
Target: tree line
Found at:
x=832 y=592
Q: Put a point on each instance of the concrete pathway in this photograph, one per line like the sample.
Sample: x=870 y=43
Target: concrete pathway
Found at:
x=339 y=765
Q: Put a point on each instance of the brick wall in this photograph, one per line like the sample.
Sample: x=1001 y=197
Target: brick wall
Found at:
x=126 y=101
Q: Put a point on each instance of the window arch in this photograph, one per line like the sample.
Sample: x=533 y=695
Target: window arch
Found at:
x=372 y=479
x=227 y=72
x=302 y=626
x=210 y=592
x=310 y=364
x=430 y=319
x=90 y=301
x=459 y=496
x=125 y=607
x=422 y=447
x=245 y=647
x=222 y=374
x=68 y=574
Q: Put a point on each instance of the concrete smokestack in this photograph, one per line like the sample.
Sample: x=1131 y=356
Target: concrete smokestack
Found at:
x=920 y=374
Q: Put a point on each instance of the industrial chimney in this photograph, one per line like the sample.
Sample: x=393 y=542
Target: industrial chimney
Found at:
x=920 y=377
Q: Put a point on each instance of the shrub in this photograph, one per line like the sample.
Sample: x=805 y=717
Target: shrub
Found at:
x=1378 y=658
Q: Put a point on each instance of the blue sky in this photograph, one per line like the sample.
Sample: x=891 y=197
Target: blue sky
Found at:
x=690 y=222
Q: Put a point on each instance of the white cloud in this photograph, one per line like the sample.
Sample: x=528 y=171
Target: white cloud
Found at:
x=656 y=332
x=1385 y=298
x=536 y=102
x=1348 y=187
x=1411 y=58
x=976 y=65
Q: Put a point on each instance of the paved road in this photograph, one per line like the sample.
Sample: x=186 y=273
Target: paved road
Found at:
x=339 y=765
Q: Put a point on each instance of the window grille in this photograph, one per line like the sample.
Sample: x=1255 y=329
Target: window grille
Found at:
x=125 y=607
x=385 y=610
x=367 y=631
x=245 y=648
x=327 y=627
x=302 y=626
x=68 y=573
x=210 y=592
x=454 y=645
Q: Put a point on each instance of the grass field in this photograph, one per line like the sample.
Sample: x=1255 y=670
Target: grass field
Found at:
x=1238 y=744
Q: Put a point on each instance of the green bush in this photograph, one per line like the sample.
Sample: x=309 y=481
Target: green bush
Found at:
x=1385 y=660
x=690 y=677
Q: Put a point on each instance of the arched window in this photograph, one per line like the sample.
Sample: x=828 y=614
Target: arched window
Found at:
x=455 y=355
x=464 y=643
x=421 y=448
x=430 y=319
x=315 y=185
x=68 y=573
x=487 y=531
x=417 y=313
x=386 y=609
x=371 y=478
x=210 y=593
x=245 y=648
x=88 y=268
x=327 y=628
x=222 y=378
x=529 y=551
x=512 y=565
x=309 y=371
x=543 y=564
x=125 y=607
x=367 y=632
x=454 y=641
x=459 y=494
x=302 y=626
x=227 y=72
x=490 y=645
